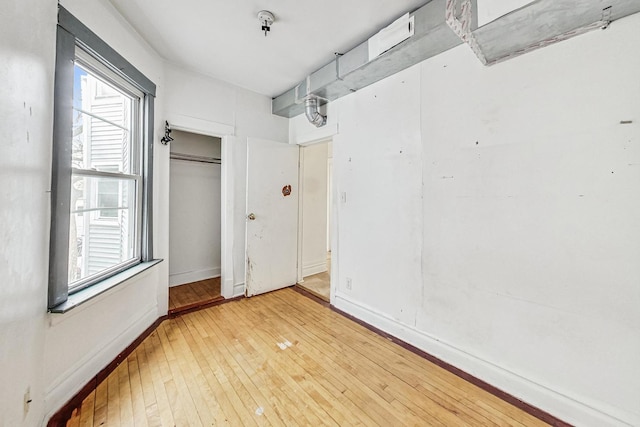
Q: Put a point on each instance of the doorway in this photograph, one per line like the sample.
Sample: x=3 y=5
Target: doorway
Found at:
x=195 y=263
x=314 y=257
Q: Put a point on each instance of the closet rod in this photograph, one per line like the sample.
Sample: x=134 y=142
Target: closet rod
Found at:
x=192 y=158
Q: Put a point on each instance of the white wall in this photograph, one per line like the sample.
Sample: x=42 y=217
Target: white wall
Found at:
x=194 y=210
x=26 y=96
x=377 y=167
x=314 y=208
x=205 y=102
x=491 y=218
x=55 y=355
x=329 y=195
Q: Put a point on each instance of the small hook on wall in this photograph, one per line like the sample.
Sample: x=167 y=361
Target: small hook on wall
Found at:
x=167 y=134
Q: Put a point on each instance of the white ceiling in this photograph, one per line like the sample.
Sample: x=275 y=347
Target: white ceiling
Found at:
x=222 y=38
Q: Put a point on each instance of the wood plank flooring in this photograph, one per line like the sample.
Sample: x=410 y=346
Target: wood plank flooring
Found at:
x=282 y=359
x=191 y=295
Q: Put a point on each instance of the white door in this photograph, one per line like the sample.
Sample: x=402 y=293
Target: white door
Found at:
x=272 y=215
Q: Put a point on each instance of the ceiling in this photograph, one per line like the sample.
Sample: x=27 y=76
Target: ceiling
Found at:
x=222 y=38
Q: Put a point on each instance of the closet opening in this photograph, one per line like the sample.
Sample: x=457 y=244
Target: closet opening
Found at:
x=195 y=241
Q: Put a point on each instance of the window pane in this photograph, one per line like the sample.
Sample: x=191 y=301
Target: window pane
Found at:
x=104 y=118
x=108 y=197
x=102 y=225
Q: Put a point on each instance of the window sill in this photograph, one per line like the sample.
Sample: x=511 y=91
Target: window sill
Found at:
x=91 y=292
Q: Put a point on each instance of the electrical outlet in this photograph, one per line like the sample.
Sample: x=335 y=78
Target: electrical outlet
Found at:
x=27 y=400
x=348 y=284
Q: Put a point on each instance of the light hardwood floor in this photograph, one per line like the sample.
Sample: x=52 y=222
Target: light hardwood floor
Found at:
x=194 y=294
x=282 y=359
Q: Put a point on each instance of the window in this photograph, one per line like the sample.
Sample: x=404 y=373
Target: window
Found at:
x=102 y=168
x=106 y=172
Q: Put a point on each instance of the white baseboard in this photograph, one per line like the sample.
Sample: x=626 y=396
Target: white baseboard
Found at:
x=557 y=403
x=193 y=276
x=238 y=290
x=227 y=288
x=311 y=269
x=68 y=384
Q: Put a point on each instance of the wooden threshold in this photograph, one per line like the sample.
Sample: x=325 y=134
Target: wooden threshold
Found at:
x=318 y=284
x=310 y=292
x=195 y=306
x=194 y=296
x=200 y=306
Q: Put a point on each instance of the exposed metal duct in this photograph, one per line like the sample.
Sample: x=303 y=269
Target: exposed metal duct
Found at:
x=535 y=25
x=406 y=42
x=311 y=110
x=441 y=25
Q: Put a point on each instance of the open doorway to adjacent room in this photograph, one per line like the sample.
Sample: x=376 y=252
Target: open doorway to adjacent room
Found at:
x=314 y=257
x=194 y=221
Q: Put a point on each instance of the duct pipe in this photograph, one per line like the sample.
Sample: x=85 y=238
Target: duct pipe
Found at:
x=311 y=108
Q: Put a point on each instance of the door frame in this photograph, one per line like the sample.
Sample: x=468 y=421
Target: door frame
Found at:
x=331 y=216
x=226 y=134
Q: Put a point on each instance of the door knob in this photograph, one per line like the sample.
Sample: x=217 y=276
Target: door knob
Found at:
x=251 y=216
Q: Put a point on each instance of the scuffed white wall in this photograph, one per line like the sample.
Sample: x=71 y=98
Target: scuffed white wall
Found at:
x=194 y=211
x=314 y=171
x=378 y=171
x=27 y=50
x=531 y=232
x=491 y=218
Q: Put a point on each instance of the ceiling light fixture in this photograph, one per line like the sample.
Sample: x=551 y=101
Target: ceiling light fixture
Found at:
x=267 y=19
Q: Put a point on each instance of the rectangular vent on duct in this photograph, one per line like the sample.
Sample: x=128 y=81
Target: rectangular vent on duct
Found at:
x=393 y=34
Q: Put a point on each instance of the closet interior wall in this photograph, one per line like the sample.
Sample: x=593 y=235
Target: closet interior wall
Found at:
x=194 y=208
